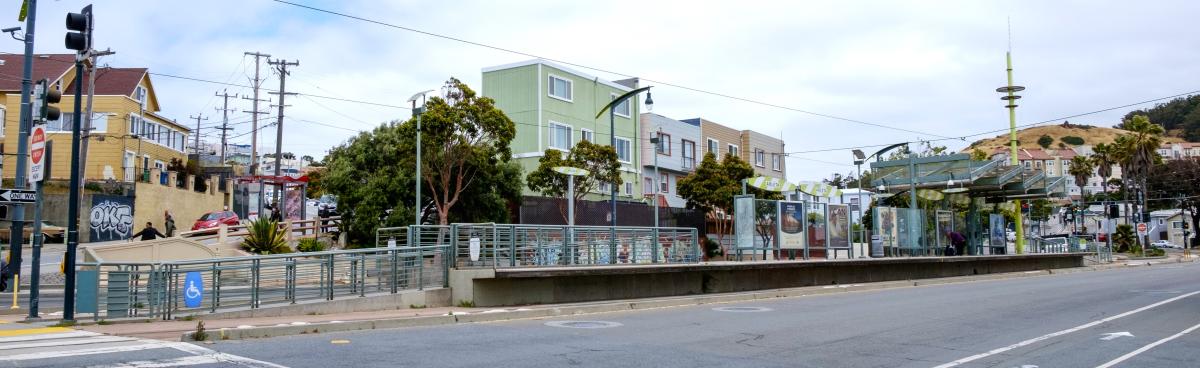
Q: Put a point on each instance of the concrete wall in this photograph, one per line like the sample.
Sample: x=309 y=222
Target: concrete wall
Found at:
x=565 y=285
x=185 y=205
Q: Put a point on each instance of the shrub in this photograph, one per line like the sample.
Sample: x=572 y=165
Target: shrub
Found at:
x=265 y=237
x=1155 y=252
x=310 y=245
x=1072 y=140
x=1045 y=141
x=200 y=334
x=1123 y=239
x=711 y=248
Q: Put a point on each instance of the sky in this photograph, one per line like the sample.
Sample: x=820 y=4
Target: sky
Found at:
x=825 y=76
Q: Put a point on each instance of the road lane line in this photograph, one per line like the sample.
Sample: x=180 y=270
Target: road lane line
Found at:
x=1147 y=347
x=70 y=353
x=1060 y=333
x=223 y=357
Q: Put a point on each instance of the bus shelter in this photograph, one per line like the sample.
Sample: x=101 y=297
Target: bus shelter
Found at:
x=770 y=229
x=921 y=201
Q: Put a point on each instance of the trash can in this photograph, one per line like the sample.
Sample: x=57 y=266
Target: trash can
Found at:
x=876 y=246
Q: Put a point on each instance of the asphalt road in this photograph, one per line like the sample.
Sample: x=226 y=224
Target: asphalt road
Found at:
x=1139 y=317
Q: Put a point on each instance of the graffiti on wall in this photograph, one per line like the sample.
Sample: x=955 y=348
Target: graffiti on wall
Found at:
x=111 y=218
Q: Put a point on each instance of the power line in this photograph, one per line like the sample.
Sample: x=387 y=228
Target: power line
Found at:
x=522 y=53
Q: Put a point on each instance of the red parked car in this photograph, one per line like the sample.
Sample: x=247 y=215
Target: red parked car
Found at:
x=214 y=219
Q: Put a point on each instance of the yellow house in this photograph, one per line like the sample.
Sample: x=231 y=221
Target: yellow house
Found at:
x=128 y=135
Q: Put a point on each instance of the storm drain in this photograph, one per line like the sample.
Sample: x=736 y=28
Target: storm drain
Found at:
x=743 y=309
x=583 y=324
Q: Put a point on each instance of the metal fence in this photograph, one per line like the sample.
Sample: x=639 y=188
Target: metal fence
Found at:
x=170 y=289
x=512 y=245
x=553 y=211
x=1097 y=251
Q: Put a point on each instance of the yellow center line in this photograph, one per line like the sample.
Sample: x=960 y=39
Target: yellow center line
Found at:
x=33 y=331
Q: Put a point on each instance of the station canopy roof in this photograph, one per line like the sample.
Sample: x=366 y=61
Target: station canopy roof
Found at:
x=982 y=179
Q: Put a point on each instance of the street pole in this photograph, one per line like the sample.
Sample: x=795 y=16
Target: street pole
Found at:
x=283 y=73
x=87 y=121
x=1011 y=97
x=254 y=114
x=657 y=178
x=418 y=111
x=25 y=125
x=35 y=268
x=224 y=122
x=612 y=136
x=571 y=200
x=73 y=204
x=196 y=145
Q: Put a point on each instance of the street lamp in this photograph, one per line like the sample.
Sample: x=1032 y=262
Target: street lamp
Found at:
x=655 y=141
x=612 y=133
x=418 y=111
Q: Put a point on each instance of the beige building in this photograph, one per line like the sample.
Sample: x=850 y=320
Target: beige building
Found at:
x=763 y=152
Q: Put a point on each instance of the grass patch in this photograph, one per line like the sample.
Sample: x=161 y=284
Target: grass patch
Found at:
x=104 y=322
x=416 y=306
x=466 y=304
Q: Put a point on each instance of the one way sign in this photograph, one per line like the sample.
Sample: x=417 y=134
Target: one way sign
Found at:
x=18 y=196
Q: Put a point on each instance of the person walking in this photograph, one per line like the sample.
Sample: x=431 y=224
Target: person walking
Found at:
x=148 y=233
x=169 y=223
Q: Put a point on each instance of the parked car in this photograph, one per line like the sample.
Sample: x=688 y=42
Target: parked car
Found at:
x=1011 y=235
x=214 y=219
x=50 y=233
x=1164 y=244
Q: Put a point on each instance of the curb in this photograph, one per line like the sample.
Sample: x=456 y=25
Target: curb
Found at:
x=605 y=307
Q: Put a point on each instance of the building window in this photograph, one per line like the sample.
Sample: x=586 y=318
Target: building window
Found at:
x=689 y=153
x=648 y=186
x=664 y=183
x=139 y=94
x=629 y=188
x=560 y=136
x=760 y=158
x=1176 y=224
x=714 y=147
x=621 y=109
x=603 y=187
x=664 y=144
x=560 y=88
x=623 y=153
x=587 y=135
x=776 y=163
x=733 y=150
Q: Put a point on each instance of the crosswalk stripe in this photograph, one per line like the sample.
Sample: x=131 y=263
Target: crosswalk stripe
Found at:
x=83 y=341
x=71 y=353
x=50 y=336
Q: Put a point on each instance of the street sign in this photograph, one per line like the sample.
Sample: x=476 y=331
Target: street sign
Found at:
x=572 y=171
x=193 y=292
x=1141 y=227
x=18 y=196
x=37 y=154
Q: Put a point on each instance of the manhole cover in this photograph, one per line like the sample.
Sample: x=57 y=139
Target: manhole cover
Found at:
x=742 y=309
x=583 y=324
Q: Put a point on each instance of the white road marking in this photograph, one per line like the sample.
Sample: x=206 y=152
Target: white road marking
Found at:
x=49 y=336
x=1060 y=333
x=216 y=358
x=83 y=341
x=1115 y=335
x=70 y=353
x=1147 y=347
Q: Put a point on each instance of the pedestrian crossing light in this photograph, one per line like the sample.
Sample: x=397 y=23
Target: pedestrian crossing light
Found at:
x=79 y=25
x=43 y=99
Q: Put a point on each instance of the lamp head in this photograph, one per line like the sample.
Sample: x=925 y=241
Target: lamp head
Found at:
x=10 y=29
x=649 y=101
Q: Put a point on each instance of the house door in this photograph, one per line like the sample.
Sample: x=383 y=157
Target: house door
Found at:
x=127 y=164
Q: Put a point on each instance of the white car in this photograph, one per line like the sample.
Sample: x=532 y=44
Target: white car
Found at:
x=1164 y=244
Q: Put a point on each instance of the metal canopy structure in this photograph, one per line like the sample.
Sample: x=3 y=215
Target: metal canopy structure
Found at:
x=982 y=179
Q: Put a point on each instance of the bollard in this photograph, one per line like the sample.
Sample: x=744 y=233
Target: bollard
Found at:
x=16 y=290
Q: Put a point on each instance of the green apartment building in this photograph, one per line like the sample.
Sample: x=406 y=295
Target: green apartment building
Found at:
x=555 y=107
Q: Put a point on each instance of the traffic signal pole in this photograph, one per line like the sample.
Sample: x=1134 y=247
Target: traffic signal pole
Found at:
x=79 y=38
x=25 y=125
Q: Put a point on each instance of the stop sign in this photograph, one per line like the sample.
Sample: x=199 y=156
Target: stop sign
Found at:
x=37 y=154
x=1141 y=227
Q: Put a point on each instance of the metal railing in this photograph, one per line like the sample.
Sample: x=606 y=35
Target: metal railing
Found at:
x=512 y=245
x=161 y=290
x=1098 y=252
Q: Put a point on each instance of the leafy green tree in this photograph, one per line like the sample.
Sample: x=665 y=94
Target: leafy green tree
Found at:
x=465 y=159
x=979 y=155
x=711 y=189
x=1072 y=140
x=1103 y=159
x=599 y=160
x=1045 y=141
x=463 y=134
x=1123 y=238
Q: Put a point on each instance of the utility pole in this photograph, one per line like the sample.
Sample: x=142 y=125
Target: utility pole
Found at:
x=281 y=66
x=87 y=120
x=1011 y=97
x=254 y=112
x=26 y=125
x=196 y=145
x=225 y=121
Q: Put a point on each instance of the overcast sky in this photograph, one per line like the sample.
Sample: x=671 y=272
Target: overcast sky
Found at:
x=929 y=66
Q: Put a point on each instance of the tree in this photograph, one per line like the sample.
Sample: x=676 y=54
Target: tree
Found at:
x=711 y=189
x=979 y=155
x=288 y=156
x=316 y=185
x=462 y=134
x=1178 y=178
x=599 y=160
x=1141 y=151
x=1102 y=158
x=1081 y=170
x=1045 y=141
x=1040 y=210
x=372 y=176
x=306 y=158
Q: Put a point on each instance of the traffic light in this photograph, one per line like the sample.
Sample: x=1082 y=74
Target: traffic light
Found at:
x=43 y=97
x=79 y=25
x=1114 y=211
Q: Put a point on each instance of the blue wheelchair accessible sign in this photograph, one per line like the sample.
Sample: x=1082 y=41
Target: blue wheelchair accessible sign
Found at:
x=193 y=290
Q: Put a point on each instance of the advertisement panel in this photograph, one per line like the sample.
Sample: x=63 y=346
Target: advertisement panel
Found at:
x=996 y=230
x=839 y=226
x=743 y=221
x=791 y=225
x=818 y=236
x=885 y=225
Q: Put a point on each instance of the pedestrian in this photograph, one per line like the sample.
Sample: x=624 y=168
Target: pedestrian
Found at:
x=148 y=233
x=169 y=223
x=957 y=241
x=276 y=213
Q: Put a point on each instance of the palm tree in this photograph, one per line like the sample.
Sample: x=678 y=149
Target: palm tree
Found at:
x=1081 y=170
x=1141 y=148
x=1102 y=158
x=1120 y=152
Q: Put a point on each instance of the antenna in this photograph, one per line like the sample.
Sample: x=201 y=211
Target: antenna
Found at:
x=1009 y=33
